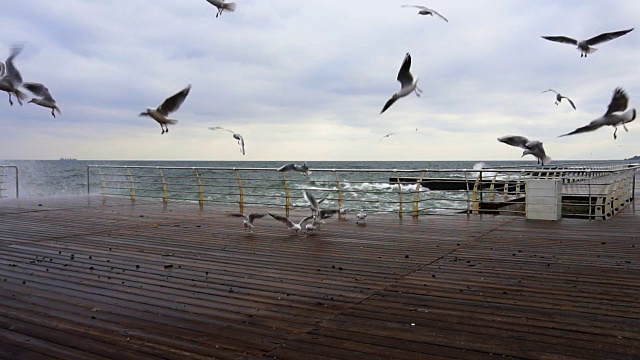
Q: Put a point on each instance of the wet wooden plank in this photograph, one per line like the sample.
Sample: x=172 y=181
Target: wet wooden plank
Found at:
x=473 y=287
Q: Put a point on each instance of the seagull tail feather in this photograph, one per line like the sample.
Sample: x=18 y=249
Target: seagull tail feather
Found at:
x=546 y=160
x=230 y=6
x=591 y=50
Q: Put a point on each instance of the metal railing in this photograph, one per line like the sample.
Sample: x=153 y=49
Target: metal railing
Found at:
x=4 y=181
x=403 y=192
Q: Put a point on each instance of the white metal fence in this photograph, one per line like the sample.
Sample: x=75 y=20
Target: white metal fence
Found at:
x=593 y=192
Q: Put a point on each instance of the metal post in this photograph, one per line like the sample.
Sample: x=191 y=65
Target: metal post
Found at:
x=339 y=190
x=287 y=197
x=88 y=181
x=416 y=197
x=17 y=183
x=241 y=191
x=399 y=194
x=200 y=189
x=165 y=191
x=133 y=186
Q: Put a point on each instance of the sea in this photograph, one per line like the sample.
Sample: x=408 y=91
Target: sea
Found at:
x=369 y=189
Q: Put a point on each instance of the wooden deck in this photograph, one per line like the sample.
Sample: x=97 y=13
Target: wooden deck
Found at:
x=85 y=279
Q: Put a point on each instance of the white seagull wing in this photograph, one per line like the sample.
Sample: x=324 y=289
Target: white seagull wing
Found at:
x=173 y=102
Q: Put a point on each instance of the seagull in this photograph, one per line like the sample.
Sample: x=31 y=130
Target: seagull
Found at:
x=531 y=147
x=304 y=168
x=247 y=221
x=45 y=100
x=407 y=84
x=221 y=5
x=170 y=105
x=426 y=11
x=360 y=217
x=11 y=78
x=386 y=136
x=585 y=45
x=559 y=98
x=314 y=204
x=615 y=115
x=235 y=136
x=290 y=224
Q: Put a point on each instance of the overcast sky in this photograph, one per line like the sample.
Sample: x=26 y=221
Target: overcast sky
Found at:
x=306 y=80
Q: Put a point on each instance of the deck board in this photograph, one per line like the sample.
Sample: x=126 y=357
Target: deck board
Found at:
x=86 y=277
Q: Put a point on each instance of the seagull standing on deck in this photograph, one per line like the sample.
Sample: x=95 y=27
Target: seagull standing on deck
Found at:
x=170 y=105
x=585 y=45
x=426 y=11
x=407 y=84
x=11 y=78
x=615 y=115
x=235 y=136
x=559 y=98
x=45 y=100
x=531 y=147
x=221 y=5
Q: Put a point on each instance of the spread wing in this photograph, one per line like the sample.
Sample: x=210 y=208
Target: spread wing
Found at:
x=219 y=128
x=327 y=213
x=388 y=104
x=587 y=128
x=12 y=73
x=404 y=75
x=561 y=39
x=38 y=90
x=514 y=140
x=240 y=215
x=287 y=167
x=416 y=6
x=548 y=91
x=439 y=15
x=619 y=101
x=570 y=102
x=313 y=203
x=173 y=103
x=255 y=216
x=607 y=36
x=241 y=141
x=283 y=219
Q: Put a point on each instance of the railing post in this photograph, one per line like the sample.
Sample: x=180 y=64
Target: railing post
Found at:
x=133 y=186
x=400 y=209
x=88 y=181
x=466 y=181
x=416 y=197
x=17 y=183
x=287 y=196
x=241 y=192
x=200 y=189
x=103 y=185
x=165 y=191
x=339 y=189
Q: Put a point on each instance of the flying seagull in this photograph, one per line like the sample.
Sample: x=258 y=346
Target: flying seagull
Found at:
x=170 y=105
x=221 y=5
x=426 y=11
x=11 y=78
x=304 y=168
x=407 y=84
x=585 y=45
x=531 y=147
x=45 y=100
x=235 y=136
x=314 y=204
x=559 y=98
x=615 y=115
x=290 y=224
x=386 y=136
x=247 y=221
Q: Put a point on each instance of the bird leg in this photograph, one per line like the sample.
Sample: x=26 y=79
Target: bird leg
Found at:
x=162 y=127
x=614 y=133
x=10 y=102
x=418 y=91
x=625 y=127
x=53 y=113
